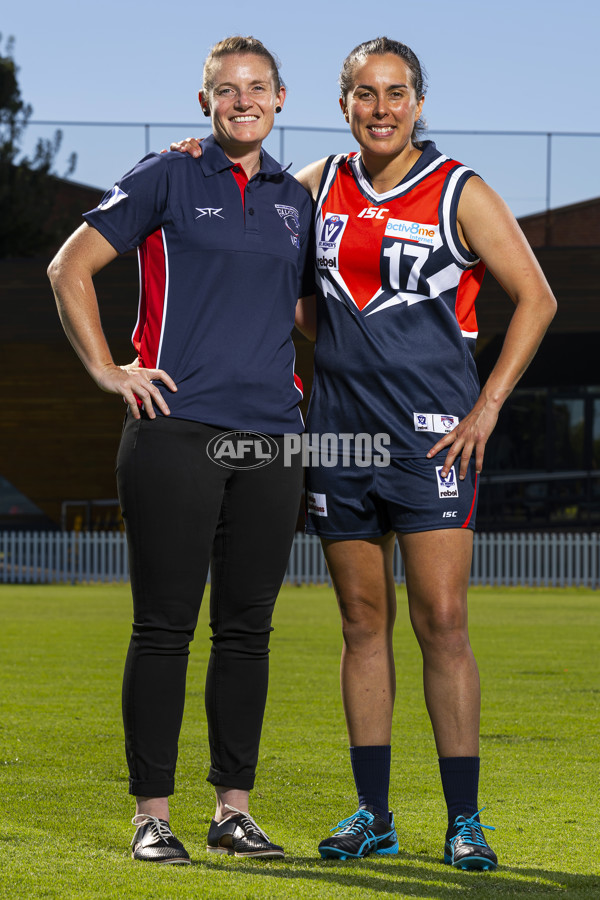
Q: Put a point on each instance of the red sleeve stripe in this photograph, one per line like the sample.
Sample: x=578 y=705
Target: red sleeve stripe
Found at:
x=468 y=519
x=154 y=285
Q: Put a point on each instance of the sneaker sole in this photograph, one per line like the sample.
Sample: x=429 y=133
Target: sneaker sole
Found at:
x=333 y=853
x=388 y=851
x=336 y=854
x=472 y=864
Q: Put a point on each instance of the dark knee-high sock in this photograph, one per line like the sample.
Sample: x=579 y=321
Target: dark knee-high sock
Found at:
x=371 y=770
x=460 y=781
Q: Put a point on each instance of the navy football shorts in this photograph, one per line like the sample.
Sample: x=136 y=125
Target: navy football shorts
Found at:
x=408 y=495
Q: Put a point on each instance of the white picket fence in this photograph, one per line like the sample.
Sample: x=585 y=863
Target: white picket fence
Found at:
x=502 y=559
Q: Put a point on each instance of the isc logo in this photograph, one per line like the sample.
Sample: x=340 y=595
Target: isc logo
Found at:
x=449 y=514
x=372 y=212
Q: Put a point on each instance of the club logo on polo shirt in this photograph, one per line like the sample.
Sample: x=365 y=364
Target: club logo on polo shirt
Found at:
x=115 y=196
x=209 y=211
x=447 y=487
x=291 y=220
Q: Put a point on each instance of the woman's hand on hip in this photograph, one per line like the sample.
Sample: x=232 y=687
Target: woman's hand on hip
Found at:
x=133 y=383
x=468 y=439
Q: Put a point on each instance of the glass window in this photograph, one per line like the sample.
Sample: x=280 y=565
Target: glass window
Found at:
x=519 y=441
x=568 y=424
x=596 y=435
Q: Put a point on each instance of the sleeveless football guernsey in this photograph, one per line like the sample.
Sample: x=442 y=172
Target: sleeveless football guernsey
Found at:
x=396 y=290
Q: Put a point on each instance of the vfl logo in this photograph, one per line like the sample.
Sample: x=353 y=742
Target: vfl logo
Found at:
x=291 y=220
x=115 y=196
x=439 y=424
x=447 y=487
x=332 y=230
x=242 y=450
x=423 y=421
x=210 y=212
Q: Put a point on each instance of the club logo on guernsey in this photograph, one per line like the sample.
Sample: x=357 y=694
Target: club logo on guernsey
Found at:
x=291 y=220
x=438 y=424
x=413 y=231
x=332 y=230
x=115 y=196
x=210 y=212
x=447 y=487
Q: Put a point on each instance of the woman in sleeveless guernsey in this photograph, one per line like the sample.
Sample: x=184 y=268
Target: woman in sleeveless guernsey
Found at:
x=403 y=236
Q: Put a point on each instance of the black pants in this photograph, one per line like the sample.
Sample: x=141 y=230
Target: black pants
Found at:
x=183 y=512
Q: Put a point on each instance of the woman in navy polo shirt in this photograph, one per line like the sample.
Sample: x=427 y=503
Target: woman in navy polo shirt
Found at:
x=223 y=244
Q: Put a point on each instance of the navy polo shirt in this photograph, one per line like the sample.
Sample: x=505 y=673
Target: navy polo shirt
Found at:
x=220 y=275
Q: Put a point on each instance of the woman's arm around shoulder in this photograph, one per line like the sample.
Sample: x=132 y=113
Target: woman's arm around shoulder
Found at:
x=310 y=176
x=306 y=317
x=489 y=228
x=71 y=274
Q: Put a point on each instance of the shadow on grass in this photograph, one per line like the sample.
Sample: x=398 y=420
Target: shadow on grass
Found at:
x=427 y=878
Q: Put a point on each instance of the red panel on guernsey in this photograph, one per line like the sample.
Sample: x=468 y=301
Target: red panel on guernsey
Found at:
x=359 y=252
x=153 y=281
x=466 y=295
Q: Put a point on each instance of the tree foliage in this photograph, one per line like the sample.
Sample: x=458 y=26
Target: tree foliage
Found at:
x=28 y=185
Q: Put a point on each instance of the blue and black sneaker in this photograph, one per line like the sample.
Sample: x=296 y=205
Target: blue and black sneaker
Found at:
x=362 y=833
x=466 y=847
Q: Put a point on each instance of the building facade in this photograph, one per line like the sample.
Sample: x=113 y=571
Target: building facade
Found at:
x=59 y=434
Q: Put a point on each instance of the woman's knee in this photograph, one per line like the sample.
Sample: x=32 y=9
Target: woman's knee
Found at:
x=364 y=619
x=443 y=626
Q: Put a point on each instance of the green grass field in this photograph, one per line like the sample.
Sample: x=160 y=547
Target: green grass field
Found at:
x=65 y=831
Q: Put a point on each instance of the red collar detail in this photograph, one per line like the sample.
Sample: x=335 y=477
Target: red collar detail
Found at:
x=241 y=179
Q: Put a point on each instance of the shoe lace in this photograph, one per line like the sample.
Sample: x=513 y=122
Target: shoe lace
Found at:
x=355 y=823
x=160 y=827
x=470 y=829
x=249 y=825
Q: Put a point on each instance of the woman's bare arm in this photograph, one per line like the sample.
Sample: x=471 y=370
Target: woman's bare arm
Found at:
x=490 y=229
x=71 y=274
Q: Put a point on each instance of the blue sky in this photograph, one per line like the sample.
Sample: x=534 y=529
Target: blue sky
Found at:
x=505 y=66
